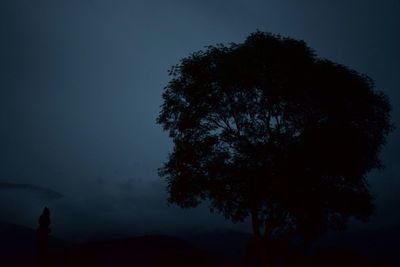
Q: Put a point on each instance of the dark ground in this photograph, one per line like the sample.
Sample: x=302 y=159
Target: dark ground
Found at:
x=219 y=248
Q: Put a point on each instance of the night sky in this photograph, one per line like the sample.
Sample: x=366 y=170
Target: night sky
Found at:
x=81 y=85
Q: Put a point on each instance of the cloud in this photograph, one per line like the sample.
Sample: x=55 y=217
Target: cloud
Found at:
x=42 y=192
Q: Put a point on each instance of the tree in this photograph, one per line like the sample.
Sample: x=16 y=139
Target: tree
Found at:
x=266 y=129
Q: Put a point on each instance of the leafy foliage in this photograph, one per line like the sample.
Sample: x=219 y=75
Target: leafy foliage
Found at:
x=267 y=129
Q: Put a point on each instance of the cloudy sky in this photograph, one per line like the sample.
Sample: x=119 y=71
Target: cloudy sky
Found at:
x=81 y=85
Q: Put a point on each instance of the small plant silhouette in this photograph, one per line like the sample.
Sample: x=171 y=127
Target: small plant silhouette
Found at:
x=43 y=232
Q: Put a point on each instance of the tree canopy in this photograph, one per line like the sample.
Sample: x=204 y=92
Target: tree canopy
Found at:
x=267 y=129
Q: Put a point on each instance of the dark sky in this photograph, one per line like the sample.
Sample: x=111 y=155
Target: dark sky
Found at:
x=81 y=85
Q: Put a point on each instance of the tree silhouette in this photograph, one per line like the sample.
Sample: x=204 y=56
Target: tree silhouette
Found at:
x=43 y=232
x=266 y=129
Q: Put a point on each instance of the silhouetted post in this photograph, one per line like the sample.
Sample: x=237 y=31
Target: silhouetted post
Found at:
x=43 y=232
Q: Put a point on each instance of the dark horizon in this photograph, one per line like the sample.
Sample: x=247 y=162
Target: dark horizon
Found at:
x=81 y=88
